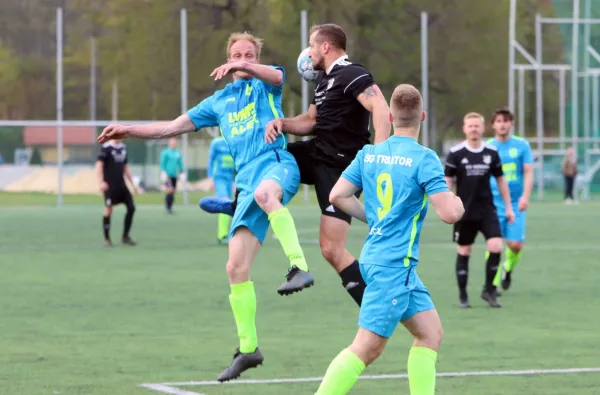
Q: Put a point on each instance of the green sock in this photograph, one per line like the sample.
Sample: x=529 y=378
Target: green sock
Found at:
x=421 y=371
x=222 y=226
x=284 y=228
x=243 y=304
x=341 y=374
x=512 y=258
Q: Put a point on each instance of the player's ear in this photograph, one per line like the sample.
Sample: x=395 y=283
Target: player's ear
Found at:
x=423 y=116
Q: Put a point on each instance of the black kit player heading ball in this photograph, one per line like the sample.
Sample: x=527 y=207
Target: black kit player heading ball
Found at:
x=341 y=130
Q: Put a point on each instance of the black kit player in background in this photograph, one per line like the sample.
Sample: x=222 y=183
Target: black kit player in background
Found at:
x=345 y=99
x=111 y=166
x=472 y=162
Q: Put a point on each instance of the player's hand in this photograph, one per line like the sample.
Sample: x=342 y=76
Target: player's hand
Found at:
x=103 y=186
x=273 y=130
x=510 y=215
x=523 y=203
x=136 y=191
x=211 y=185
x=163 y=176
x=117 y=132
x=227 y=68
x=183 y=176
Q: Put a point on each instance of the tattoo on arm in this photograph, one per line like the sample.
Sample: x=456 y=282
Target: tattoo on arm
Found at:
x=370 y=92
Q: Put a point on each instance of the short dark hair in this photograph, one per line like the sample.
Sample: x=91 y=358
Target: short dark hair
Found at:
x=504 y=113
x=406 y=106
x=332 y=33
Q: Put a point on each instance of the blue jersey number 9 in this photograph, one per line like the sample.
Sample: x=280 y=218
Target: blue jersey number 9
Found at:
x=385 y=193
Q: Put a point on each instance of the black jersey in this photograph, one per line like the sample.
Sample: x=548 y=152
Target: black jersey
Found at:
x=472 y=169
x=342 y=127
x=114 y=157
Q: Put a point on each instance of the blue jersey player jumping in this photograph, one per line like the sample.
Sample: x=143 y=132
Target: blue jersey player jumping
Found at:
x=221 y=171
x=267 y=178
x=517 y=166
x=398 y=177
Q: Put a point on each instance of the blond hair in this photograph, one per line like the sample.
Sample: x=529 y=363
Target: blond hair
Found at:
x=474 y=115
x=406 y=106
x=247 y=36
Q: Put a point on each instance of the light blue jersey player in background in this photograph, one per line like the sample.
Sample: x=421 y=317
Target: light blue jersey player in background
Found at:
x=267 y=178
x=398 y=177
x=517 y=166
x=221 y=171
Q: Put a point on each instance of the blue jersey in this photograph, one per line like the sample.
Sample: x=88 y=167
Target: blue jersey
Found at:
x=171 y=162
x=514 y=153
x=220 y=162
x=396 y=176
x=242 y=110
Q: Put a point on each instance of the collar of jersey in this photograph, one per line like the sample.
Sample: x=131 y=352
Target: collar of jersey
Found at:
x=402 y=138
x=338 y=60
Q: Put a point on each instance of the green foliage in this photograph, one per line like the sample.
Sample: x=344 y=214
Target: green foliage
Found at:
x=138 y=45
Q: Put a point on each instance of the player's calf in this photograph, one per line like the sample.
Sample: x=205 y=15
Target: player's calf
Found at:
x=332 y=240
x=494 y=246
x=106 y=225
x=242 y=251
x=427 y=331
x=268 y=196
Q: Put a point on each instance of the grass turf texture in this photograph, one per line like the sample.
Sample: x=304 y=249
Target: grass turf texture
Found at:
x=78 y=318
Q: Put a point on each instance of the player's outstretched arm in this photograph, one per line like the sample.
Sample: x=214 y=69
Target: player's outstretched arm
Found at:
x=183 y=124
x=302 y=125
x=262 y=72
x=342 y=196
x=373 y=100
x=448 y=206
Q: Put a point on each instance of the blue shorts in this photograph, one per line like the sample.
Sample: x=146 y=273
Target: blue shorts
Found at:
x=224 y=187
x=393 y=294
x=516 y=230
x=279 y=166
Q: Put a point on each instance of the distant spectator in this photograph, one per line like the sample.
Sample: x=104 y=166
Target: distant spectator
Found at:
x=569 y=169
x=1 y=159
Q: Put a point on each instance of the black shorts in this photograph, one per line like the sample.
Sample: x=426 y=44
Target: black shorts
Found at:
x=465 y=231
x=117 y=195
x=171 y=183
x=321 y=175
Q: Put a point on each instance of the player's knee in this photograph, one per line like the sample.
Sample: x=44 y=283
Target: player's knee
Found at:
x=431 y=338
x=515 y=246
x=464 y=250
x=131 y=208
x=494 y=245
x=331 y=250
x=107 y=211
x=237 y=271
x=267 y=196
x=367 y=353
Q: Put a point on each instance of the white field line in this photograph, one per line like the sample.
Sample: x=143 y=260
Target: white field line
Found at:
x=168 y=388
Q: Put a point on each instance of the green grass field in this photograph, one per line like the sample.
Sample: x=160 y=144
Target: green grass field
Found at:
x=77 y=318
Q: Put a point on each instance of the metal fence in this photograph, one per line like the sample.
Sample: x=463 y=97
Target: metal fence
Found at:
x=575 y=113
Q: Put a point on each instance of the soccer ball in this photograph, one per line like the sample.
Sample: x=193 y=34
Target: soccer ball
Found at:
x=305 y=67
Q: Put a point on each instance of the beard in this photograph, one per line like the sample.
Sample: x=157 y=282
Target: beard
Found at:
x=319 y=65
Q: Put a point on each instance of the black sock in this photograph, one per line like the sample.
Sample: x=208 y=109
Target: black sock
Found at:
x=491 y=268
x=353 y=281
x=106 y=227
x=128 y=221
x=169 y=199
x=462 y=274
